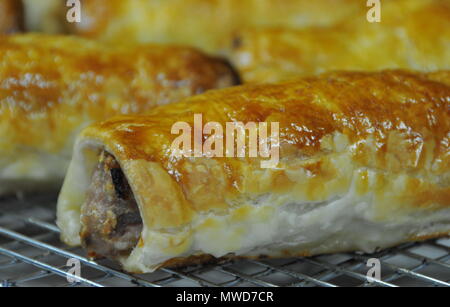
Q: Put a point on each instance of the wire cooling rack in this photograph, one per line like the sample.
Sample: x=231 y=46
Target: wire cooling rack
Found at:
x=32 y=255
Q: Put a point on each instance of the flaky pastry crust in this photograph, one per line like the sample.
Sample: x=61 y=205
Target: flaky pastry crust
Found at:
x=204 y=24
x=364 y=164
x=412 y=34
x=53 y=86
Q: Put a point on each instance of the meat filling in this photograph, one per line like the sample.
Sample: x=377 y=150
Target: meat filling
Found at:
x=111 y=224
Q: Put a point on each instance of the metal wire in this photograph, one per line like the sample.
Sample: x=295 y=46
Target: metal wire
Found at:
x=31 y=254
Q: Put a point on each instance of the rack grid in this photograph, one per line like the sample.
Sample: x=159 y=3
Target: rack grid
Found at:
x=31 y=254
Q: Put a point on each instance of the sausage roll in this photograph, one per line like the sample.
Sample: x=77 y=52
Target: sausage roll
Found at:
x=11 y=18
x=202 y=23
x=52 y=86
x=417 y=38
x=364 y=164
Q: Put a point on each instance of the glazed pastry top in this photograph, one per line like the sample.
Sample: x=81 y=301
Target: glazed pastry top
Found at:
x=53 y=85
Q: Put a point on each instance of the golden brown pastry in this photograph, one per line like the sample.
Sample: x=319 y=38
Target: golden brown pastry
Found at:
x=202 y=23
x=364 y=163
x=11 y=16
x=53 y=86
x=412 y=34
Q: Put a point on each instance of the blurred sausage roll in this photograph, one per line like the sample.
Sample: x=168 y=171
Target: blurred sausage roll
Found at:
x=417 y=38
x=53 y=86
x=204 y=24
x=364 y=164
x=11 y=16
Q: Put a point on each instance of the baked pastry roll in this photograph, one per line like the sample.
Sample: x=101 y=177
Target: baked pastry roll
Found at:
x=204 y=24
x=412 y=34
x=53 y=86
x=11 y=16
x=364 y=164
